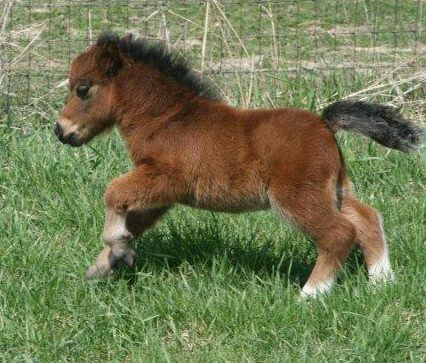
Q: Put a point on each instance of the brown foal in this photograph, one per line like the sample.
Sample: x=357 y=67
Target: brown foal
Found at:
x=189 y=147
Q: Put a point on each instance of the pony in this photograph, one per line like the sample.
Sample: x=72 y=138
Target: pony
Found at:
x=190 y=147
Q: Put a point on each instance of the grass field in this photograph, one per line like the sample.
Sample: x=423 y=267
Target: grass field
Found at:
x=206 y=286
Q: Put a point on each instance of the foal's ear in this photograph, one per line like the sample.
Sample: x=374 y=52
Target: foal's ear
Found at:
x=126 y=39
x=108 y=55
x=124 y=42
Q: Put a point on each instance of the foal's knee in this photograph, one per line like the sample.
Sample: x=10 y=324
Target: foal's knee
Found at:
x=120 y=196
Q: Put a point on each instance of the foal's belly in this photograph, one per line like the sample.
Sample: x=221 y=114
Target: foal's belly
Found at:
x=234 y=206
x=227 y=199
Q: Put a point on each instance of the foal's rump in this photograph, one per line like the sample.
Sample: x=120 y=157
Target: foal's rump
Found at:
x=304 y=160
x=303 y=168
x=297 y=147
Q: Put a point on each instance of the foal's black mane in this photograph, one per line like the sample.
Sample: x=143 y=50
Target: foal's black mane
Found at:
x=168 y=62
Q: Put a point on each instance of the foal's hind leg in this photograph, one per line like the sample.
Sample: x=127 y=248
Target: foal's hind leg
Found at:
x=334 y=236
x=316 y=214
x=370 y=237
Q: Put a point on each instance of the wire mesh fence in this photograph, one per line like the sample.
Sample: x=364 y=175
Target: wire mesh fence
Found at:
x=300 y=53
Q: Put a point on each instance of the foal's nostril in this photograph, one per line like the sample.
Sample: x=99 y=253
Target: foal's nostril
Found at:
x=57 y=129
x=72 y=139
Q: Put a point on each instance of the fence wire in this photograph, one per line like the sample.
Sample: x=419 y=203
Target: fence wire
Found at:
x=258 y=52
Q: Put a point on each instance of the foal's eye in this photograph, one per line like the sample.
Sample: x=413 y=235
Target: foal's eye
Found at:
x=82 y=91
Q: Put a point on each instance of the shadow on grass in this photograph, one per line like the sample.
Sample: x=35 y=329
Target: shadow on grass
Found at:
x=157 y=251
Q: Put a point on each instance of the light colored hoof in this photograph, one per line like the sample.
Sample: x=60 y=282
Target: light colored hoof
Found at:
x=129 y=258
x=384 y=277
x=103 y=269
x=311 y=295
x=306 y=295
x=381 y=272
x=95 y=272
x=320 y=289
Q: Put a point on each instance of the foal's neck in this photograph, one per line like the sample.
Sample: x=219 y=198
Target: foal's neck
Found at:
x=145 y=102
x=145 y=95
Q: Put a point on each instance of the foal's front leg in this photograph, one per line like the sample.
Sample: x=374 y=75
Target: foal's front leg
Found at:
x=134 y=202
x=119 y=231
x=117 y=238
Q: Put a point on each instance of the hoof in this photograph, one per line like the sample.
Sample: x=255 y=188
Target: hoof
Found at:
x=381 y=272
x=95 y=272
x=319 y=289
x=384 y=277
x=129 y=258
x=103 y=269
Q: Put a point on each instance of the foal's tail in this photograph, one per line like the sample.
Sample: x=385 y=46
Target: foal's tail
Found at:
x=383 y=124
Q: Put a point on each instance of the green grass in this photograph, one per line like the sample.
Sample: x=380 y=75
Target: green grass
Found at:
x=206 y=286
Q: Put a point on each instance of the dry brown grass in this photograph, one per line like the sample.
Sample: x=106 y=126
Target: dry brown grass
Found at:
x=244 y=77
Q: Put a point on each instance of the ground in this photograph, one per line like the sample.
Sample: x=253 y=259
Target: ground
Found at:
x=207 y=286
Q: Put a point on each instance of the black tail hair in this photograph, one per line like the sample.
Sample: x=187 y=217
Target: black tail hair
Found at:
x=383 y=124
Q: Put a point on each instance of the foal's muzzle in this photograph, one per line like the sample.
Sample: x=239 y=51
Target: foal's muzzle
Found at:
x=70 y=138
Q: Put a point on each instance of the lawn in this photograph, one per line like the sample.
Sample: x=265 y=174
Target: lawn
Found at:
x=207 y=286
